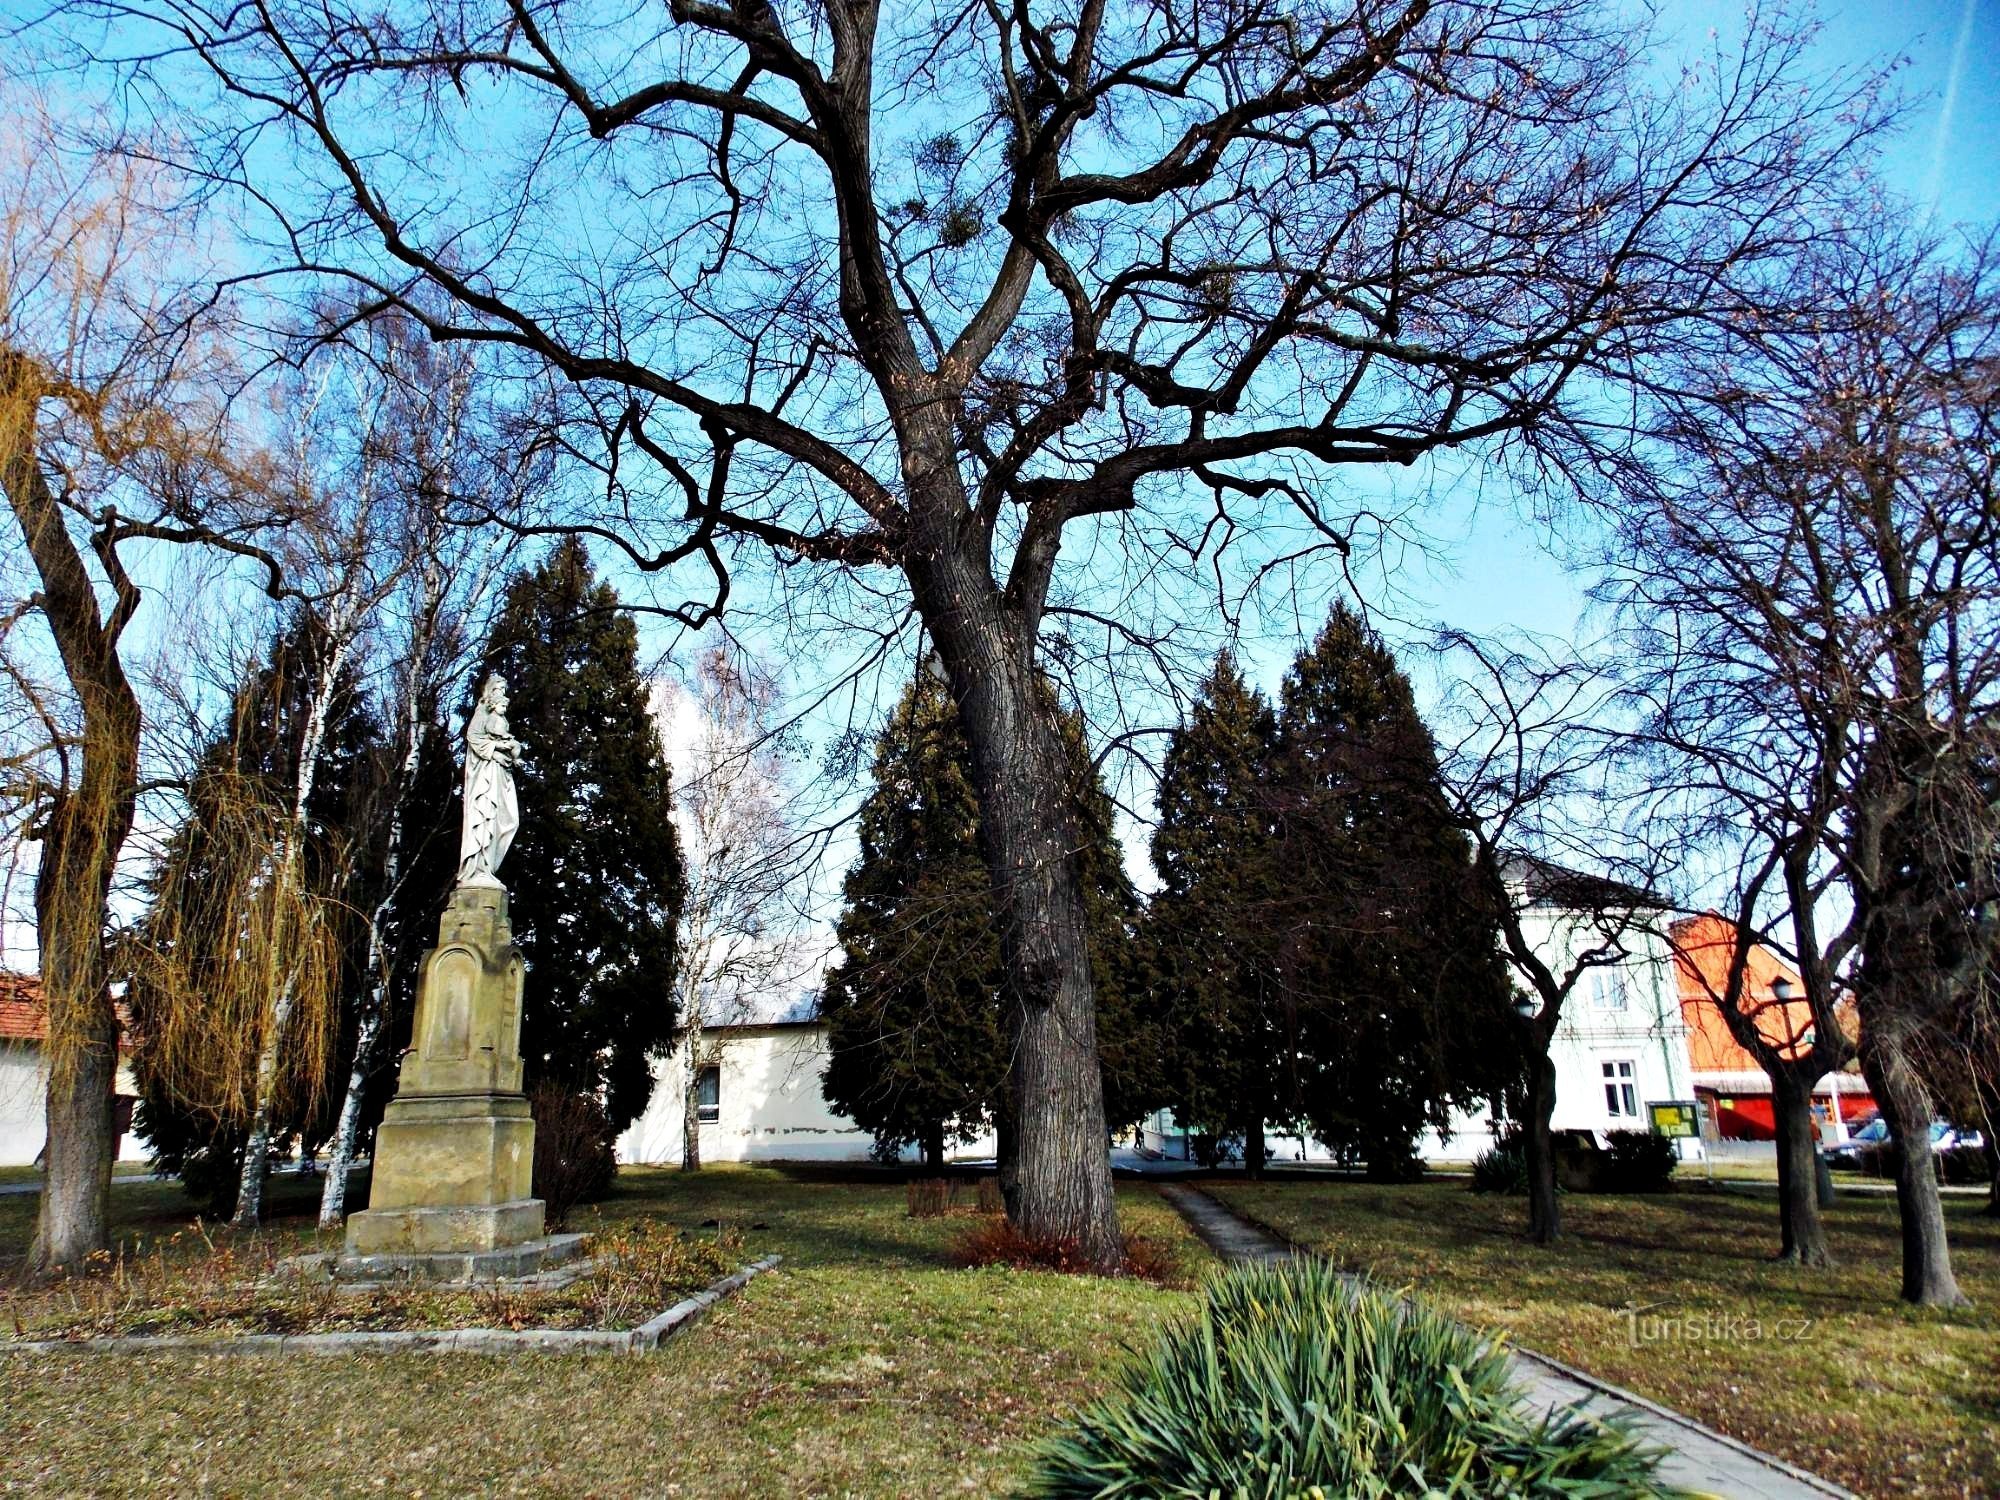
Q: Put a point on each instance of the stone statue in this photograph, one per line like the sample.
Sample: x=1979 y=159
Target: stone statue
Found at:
x=492 y=813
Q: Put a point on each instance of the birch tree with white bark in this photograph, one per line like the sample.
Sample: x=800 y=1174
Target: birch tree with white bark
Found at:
x=741 y=940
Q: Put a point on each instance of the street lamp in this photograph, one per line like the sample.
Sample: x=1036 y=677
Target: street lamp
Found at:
x=1782 y=990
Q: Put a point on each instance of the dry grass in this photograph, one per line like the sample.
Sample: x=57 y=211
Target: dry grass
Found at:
x=1826 y=1369
x=866 y=1365
x=191 y=1283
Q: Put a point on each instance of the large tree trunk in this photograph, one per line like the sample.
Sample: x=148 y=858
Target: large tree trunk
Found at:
x=1544 y=1209
x=81 y=838
x=1906 y=1104
x=1802 y=1231
x=1007 y=1163
x=933 y=1145
x=1064 y=1187
x=1253 y=1147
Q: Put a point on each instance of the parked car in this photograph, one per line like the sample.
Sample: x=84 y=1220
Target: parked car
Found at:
x=1959 y=1152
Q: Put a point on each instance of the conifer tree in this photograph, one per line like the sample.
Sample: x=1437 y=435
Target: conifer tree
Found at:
x=916 y=1012
x=594 y=878
x=1384 y=951
x=1208 y=926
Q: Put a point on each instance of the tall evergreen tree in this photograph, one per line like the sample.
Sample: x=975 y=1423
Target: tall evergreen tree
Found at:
x=194 y=1072
x=595 y=876
x=1384 y=950
x=1208 y=926
x=917 y=1018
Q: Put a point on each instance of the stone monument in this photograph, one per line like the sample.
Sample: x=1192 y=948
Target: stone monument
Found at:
x=454 y=1158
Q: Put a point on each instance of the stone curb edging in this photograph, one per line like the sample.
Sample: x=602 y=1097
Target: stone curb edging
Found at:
x=1553 y=1368
x=641 y=1340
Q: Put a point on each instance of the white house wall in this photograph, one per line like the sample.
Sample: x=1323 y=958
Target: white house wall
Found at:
x=24 y=1104
x=23 y=1098
x=769 y=1107
x=1648 y=1032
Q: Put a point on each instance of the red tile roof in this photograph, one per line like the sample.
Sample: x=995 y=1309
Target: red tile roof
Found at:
x=23 y=1017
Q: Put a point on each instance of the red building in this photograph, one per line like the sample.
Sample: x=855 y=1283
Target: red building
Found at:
x=1734 y=1092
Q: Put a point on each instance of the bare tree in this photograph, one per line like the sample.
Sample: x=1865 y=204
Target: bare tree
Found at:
x=1529 y=743
x=435 y=434
x=740 y=940
x=113 y=431
x=1815 y=596
x=1033 y=309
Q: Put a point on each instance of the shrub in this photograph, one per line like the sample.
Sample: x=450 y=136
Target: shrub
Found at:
x=996 y=1242
x=1290 y=1381
x=1638 y=1161
x=1503 y=1166
x=991 y=1200
x=575 y=1155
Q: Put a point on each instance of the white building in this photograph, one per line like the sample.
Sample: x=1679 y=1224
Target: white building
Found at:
x=24 y=1081
x=1620 y=1046
x=758 y=1100
x=1621 y=1043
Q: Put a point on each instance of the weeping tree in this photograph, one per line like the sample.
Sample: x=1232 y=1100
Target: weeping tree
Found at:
x=1014 y=315
x=258 y=893
x=114 y=440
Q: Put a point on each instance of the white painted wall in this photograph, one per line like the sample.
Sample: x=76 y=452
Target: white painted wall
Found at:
x=22 y=1103
x=770 y=1107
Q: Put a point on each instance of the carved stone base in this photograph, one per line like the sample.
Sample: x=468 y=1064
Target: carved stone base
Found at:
x=466 y=1228
x=455 y=1155
x=452 y=1150
x=506 y=1263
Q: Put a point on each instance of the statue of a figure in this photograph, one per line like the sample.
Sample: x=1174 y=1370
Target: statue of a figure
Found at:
x=492 y=813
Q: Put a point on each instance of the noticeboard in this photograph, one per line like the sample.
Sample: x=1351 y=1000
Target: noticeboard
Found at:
x=1677 y=1119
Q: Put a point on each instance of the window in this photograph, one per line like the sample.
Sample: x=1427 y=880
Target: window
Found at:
x=1612 y=990
x=708 y=1095
x=1621 y=1091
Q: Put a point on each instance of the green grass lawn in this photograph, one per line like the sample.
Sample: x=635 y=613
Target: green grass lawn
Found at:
x=867 y=1365
x=1835 y=1374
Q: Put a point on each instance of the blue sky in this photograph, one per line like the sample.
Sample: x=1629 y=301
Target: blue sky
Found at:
x=1489 y=570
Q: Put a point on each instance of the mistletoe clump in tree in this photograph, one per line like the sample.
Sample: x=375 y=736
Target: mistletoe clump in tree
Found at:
x=1172 y=268
x=595 y=876
x=1384 y=947
x=916 y=1007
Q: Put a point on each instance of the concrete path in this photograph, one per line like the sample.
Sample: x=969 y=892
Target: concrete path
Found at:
x=118 y=1177
x=1698 y=1458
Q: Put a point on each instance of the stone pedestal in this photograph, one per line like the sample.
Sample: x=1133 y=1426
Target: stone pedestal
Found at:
x=455 y=1155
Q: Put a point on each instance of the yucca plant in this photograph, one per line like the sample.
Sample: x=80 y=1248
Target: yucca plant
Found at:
x=1292 y=1383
